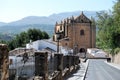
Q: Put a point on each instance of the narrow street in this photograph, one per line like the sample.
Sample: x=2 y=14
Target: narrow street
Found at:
x=99 y=70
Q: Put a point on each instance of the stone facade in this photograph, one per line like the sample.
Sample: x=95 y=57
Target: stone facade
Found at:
x=76 y=33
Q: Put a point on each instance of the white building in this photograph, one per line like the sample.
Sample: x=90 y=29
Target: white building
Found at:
x=42 y=44
x=96 y=52
x=48 y=44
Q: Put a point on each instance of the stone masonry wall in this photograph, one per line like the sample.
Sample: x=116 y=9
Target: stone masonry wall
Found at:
x=117 y=59
x=4 y=62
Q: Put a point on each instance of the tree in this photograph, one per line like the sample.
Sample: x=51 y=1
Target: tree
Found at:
x=34 y=34
x=104 y=23
x=116 y=12
x=24 y=37
x=109 y=29
x=45 y=35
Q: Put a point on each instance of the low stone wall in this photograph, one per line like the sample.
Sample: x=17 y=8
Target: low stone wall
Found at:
x=117 y=58
x=56 y=76
x=64 y=66
x=57 y=67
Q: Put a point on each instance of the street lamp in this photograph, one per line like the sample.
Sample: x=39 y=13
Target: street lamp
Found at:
x=58 y=38
x=75 y=49
x=66 y=39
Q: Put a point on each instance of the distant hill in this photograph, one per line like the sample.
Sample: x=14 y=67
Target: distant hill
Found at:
x=6 y=37
x=42 y=22
x=2 y=23
x=61 y=16
x=50 y=19
x=20 y=28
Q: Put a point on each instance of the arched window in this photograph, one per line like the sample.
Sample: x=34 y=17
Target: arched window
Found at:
x=82 y=32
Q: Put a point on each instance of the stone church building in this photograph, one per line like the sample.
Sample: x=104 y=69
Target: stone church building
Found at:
x=77 y=33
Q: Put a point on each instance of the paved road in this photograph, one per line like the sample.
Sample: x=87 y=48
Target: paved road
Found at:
x=99 y=70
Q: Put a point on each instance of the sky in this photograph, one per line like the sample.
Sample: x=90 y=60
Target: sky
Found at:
x=12 y=10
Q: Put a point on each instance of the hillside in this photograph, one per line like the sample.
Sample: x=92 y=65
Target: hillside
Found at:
x=2 y=23
x=19 y=28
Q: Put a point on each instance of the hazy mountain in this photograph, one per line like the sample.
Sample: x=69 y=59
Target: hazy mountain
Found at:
x=50 y=19
x=42 y=22
x=61 y=16
x=2 y=23
x=33 y=20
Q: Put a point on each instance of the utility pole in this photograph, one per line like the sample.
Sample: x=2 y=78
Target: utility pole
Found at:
x=58 y=38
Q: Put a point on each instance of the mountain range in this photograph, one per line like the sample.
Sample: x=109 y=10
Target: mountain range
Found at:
x=2 y=23
x=45 y=23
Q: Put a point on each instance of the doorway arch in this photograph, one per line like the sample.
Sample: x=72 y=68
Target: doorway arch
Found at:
x=82 y=50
